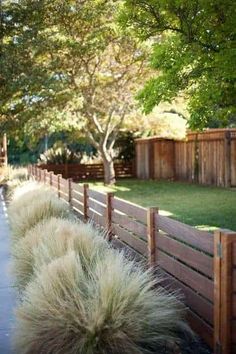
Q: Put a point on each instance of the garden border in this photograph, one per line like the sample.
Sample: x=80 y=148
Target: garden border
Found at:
x=201 y=265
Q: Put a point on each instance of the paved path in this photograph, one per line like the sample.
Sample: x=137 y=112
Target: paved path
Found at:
x=7 y=291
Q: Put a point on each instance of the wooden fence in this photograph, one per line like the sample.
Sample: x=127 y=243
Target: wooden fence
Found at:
x=206 y=158
x=80 y=172
x=201 y=265
x=3 y=151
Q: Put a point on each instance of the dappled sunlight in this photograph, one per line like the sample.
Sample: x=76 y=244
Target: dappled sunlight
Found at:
x=206 y=228
x=165 y=213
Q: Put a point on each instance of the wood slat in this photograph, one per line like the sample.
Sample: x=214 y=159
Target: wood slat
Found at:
x=130 y=239
x=77 y=188
x=101 y=197
x=78 y=213
x=129 y=252
x=96 y=206
x=191 y=257
x=129 y=224
x=189 y=277
x=192 y=299
x=78 y=197
x=98 y=219
x=199 y=239
x=199 y=326
x=139 y=213
x=77 y=204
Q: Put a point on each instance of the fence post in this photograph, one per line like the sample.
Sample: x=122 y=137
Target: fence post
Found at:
x=59 y=185
x=70 y=191
x=50 y=178
x=66 y=170
x=109 y=199
x=227 y=159
x=85 y=186
x=224 y=244
x=40 y=174
x=151 y=236
x=44 y=176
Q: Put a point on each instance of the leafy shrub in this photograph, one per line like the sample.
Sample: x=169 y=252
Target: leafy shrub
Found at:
x=34 y=206
x=52 y=238
x=60 y=154
x=113 y=309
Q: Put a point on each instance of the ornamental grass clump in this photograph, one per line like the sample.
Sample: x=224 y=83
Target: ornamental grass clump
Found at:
x=112 y=308
x=50 y=239
x=26 y=187
x=34 y=206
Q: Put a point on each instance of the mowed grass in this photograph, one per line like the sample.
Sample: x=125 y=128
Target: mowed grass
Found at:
x=206 y=208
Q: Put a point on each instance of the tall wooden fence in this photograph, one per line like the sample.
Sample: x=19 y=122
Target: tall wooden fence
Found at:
x=201 y=265
x=80 y=172
x=206 y=158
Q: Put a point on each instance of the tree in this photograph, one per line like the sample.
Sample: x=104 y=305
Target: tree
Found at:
x=74 y=69
x=193 y=52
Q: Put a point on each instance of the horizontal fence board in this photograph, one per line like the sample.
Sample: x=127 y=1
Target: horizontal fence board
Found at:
x=191 y=257
x=99 y=208
x=199 y=239
x=96 y=218
x=130 y=209
x=78 y=197
x=77 y=205
x=78 y=211
x=134 y=242
x=63 y=182
x=198 y=325
x=132 y=225
x=129 y=252
x=77 y=188
x=88 y=171
x=196 y=281
x=64 y=197
x=191 y=298
x=101 y=197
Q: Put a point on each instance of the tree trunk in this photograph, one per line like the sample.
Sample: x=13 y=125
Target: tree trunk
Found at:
x=109 y=171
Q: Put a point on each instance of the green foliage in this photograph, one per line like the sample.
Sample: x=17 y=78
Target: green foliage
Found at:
x=125 y=146
x=74 y=70
x=193 y=52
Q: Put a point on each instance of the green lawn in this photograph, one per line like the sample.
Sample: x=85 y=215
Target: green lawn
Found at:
x=204 y=207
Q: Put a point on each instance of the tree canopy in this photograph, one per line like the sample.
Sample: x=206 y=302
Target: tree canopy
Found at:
x=68 y=64
x=193 y=52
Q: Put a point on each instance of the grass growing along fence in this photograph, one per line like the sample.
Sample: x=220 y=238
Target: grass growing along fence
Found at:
x=82 y=296
x=189 y=258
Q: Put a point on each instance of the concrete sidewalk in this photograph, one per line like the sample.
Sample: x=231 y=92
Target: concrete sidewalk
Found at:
x=7 y=291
